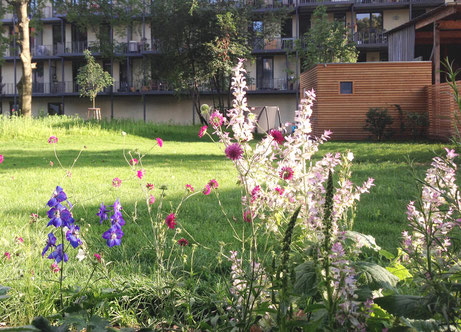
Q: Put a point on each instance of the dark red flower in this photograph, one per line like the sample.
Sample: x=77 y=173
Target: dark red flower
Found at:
x=183 y=242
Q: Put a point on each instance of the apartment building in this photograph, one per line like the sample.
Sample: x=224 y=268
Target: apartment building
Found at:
x=57 y=51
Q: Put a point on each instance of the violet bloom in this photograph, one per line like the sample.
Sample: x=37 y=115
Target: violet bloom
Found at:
x=117 y=220
x=234 y=151
x=72 y=236
x=102 y=213
x=113 y=236
x=117 y=206
x=50 y=243
x=58 y=196
x=59 y=216
x=58 y=254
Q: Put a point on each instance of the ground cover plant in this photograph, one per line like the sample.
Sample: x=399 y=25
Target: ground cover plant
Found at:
x=218 y=271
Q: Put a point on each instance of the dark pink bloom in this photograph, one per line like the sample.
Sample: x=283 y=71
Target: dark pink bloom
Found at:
x=248 y=216
x=52 y=139
x=140 y=173
x=51 y=163
x=116 y=182
x=279 y=190
x=1 y=158
x=255 y=193
x=19 y=240
x=159 y=142
x=189 y=188
x=133 y=161
x=33 y=218
x=183 y=242
x=206 y=190
x=213 y=184
x=98 y=257
x=7 y=255
x=216 y=119
x=151 y=199
x=170 y=220
x=234 y=151
x=202 y=131
x=55 y=268
x=286 y=173
x=277 y=136
x=150 y=186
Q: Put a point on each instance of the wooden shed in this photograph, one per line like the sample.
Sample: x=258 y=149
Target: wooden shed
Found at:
x=346 y=91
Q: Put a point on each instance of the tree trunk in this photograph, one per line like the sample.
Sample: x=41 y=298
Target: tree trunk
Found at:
x=20 y=8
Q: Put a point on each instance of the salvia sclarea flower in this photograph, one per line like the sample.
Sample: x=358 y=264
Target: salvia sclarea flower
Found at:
x=114 y=234
x=60 y=216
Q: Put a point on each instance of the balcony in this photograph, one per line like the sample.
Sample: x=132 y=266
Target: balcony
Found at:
x=71 y=48
x=274 y=45
x=35 y=51
x=272 y=85
x=370 y=39
x=139 y=87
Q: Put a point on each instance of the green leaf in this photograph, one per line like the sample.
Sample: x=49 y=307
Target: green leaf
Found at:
x=375 y=276
x=422 y=325
x=399 y=271
x=3 y=292
x=365 y=240
x=27 y=328
x=414 y=307
x=306 y=279
x=387 y=254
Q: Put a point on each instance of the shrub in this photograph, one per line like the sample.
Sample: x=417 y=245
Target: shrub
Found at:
x=377 y=121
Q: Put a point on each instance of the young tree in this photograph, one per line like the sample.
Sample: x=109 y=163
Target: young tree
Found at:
x=326 y=42
x=92 y=79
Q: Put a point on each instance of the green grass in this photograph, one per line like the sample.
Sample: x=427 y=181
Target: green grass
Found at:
x=27 y=179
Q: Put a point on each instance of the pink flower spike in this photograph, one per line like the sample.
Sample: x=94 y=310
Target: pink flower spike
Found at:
x=7 y=255
x=213 y=184
x=1 y=158
x=451 y=153
x=133 y=161
x=116 y=182
x=202 y=131
x=286 y=173
x=52 y=140
x=159 y=142
x=141 y=173
x=151 y=199
x=98 y=257
x=170 y=221
x=189 y=188
x=207 y=190
x=55 y=268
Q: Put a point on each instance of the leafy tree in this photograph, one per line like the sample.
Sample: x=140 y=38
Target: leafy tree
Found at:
x=92 y=79
x=325 y=42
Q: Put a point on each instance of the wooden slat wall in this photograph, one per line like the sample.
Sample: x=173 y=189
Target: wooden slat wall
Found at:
x=376 y=84
x=441 y=108
x=402 y=44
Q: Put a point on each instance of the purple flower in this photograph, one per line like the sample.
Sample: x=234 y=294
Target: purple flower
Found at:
x=117 y=206
x=72 y=234
x=102 y=212
x=117 y=220
x=50 y=243
x=58 y=255
x=113 y=236
x=234 y=151
x=58 y=196
x=59 y=216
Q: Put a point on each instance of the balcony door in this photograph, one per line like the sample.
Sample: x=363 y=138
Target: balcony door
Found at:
x=265 y=73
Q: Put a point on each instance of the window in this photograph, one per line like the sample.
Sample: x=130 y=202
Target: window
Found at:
x=346 y=88
x=287 y=28
x=369 y=22
x=55 y=109
x=265 y=73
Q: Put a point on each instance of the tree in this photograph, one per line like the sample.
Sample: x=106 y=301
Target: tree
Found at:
x=325 y=42
x=92 y=79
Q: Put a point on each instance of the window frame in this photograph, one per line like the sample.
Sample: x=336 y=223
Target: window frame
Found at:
x=352 y=90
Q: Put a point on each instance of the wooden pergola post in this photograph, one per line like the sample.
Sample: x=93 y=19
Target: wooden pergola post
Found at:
x=436 y=50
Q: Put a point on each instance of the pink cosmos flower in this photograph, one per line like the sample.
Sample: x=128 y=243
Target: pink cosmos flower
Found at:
x=52 y=139
x=277 y=136
x=1 y=158
x=7 y=255
x=116 y=182
x=286 y=173
x=140 y=173
x=149 y=186
x=213 y=184
x=151 y=199
x=183 y=242
x=133 y=161
x=216 y=119
x=98 y=257
x=189 y=188
x=55 y=268
x=207 y=190
x=170 y=221
x=234 y=151
x=202 y=131
x=159 y=141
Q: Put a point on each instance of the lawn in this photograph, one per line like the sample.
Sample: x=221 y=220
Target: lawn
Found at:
x=30 y=172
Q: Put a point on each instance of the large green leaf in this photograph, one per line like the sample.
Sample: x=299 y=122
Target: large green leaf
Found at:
x=375 y=276
x=306 y=279
x=414 y=307
x=3 y=292
x=422 y=325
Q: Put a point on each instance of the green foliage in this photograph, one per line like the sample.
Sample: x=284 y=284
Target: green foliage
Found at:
x=376 y=276
x=377 y=121
x=325 y=42
x=410 y=306
x=92 y=79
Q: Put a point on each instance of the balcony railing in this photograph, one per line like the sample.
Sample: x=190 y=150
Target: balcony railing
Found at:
x=274 y=44
x=150 y=86
x=275 y=84
x=369 y=37
x=71 y=47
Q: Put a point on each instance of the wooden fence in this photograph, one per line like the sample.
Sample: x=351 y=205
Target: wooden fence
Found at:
x=442 y=108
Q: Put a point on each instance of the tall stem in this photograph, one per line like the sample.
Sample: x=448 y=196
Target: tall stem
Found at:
x=62 y=271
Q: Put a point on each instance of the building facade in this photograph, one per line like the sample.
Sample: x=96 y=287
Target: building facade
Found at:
x=57 y=51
